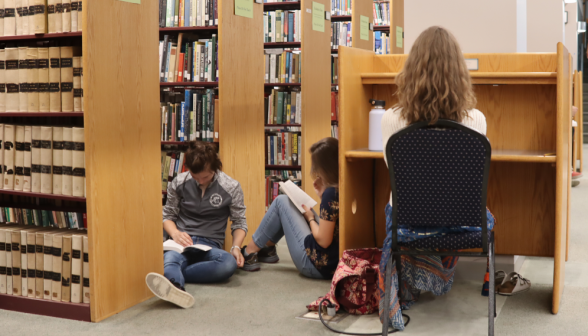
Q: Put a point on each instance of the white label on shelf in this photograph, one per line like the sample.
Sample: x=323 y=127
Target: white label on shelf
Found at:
x=308 y=10
x=472 y=63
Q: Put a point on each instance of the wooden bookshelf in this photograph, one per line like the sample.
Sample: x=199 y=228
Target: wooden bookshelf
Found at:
x=197 y=29
x=272 y=45
x=73 y=311
x=194 y=84
x=382 y=28
x=282 y=167
x=282 y=125
x=41 y=195
x=42 y=114
x=281 y=84
x=40 y=37
x=537 y=87
x=341 y=18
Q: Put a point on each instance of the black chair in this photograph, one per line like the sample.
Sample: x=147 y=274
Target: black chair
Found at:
x=439 y=178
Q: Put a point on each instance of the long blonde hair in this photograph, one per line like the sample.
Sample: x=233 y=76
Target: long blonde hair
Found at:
x=435 y=81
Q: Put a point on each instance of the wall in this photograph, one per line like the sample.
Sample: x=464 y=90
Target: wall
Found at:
x=545 y=25
x=571 y=31
x=480 y=26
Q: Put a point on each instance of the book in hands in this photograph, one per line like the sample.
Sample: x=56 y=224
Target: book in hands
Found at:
x=297 y=196
x=170 y=245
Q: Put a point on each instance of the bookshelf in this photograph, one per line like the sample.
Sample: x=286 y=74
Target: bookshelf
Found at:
x=538 y=87
x=117 y=208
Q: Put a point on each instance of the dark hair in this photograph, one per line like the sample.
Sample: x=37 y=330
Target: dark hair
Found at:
x=201 y=155
x=325 y=161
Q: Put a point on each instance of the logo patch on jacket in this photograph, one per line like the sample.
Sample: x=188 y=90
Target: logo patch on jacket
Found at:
x=216 y=200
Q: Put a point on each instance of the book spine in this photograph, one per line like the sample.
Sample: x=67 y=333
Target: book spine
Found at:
x=36 y=159
x=9 y=17
x=1 y=17
x=66 y=16
x=46 y=160
x=57 y=160
x=43 y=80
x=40 y=17
x=9 y=133
x=47 y=265
x=57 y=252
x=77 y=84
x=27 y=159
x=67 y=178
x=51 y=13
x=86 y=271
x=32 y=87
x=74 y=16
x=58 y=17
x=54 y=80
x=23 y=65
x=79 y=171
x=12 y=80
x=66 y=269
x=30 y=266
x=16 y=264
x=2 y=80
x=67 y=94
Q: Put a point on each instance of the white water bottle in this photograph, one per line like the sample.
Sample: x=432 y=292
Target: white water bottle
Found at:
x=376 y=115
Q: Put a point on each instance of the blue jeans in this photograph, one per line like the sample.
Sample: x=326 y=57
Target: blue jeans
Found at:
x=284 y=219
x=195 y=266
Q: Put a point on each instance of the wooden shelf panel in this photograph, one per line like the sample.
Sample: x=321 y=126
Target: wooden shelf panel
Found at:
x=498 y=155
x=72 y=311
x=41 y=114
x=174 y=143
x=277 y=45
x=196 y=84
x=80 y=208
x=280 y=167
x=286 y=5
x=281 y=84
x=381 y=28
x=187 y=29
x=40 y=37
x=40 y=195
x=334 y=51
x=282 y=125
x=477 y=78
x=340 y=18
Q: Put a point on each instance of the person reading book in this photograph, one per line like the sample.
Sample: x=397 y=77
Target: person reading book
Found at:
x=434 y=84
x=199 y=203
x=313 y=241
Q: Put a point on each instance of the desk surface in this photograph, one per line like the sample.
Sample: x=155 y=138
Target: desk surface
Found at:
x=477 y=78
x=497 y=155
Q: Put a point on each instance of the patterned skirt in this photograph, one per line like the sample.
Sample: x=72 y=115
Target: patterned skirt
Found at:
x=419 y=273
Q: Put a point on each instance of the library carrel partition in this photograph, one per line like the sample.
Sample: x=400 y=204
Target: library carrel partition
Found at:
x=526 y=99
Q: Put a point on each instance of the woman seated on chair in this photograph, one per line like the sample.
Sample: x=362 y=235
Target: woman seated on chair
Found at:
x=313 y=240
x=434 y=84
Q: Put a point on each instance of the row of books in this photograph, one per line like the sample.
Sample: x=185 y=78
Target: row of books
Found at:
x=334 y=105
x=334 y=69
x=282 y=66
x=283 y=148
x=335 y=131
x=44 y=263
x=43 y=218
x=281 y=26
x=41 y=79
x=189 y=115
x=188 y=59
x=188 y=13
x=172 y=164
x=381 y=43
x=39 y=159
x=381 y=13
x=28 y=17
x=341 y=7
x=272 y=183
x=340 y=34
x=282 y=107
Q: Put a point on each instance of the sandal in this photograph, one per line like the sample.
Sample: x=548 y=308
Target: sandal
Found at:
x=513 y=284
x=498 y=279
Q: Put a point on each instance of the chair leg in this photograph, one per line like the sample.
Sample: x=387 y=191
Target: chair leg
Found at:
x=492 y=294
x=388 y=293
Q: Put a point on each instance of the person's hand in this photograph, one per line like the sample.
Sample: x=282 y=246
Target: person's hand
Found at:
x=574 y=111
x=182 y=238
x=308 y=215
x=238 y=257
x=319 y=187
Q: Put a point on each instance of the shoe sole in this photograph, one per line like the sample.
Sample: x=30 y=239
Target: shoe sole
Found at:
x=269 y=260
x=165 y=290
x=515 y=293
x=251 y=268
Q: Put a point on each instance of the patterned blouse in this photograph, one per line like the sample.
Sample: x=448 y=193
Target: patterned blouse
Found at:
x=326 y=259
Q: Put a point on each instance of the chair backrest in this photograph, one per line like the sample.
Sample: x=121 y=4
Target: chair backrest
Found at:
x=438 y=175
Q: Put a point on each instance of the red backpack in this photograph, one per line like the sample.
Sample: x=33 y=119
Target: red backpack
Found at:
x=354 y=285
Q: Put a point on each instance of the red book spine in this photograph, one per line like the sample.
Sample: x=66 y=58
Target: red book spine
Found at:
x=85 y=221
x=333 y=106
x=181 y=68
x=276 y=185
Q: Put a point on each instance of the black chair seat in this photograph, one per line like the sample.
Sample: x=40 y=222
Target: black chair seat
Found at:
x=456 y=241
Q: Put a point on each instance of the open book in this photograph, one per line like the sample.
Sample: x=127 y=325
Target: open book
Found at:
x=297 y=195
x=170 y=245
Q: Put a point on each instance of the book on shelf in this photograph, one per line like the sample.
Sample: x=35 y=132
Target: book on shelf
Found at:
x=27 y=159
x=57 y=252
x=189 y=115
x=23 y=74
x=9 y=153
x=272 y=179
x=282 y=148
x=335 y=131
x=57 y=170
x=54 y=79
x=12 y=80
x=66 y=16
x=46 y=159
x=9 y=17
x=339 y=7
x=334 y=105
x=40 y=16
x=334 y=69
x=340 y=34
x=381 y=43
x=67 y=170
x=381 y=13
x=66 y=269
x=188 y=59
x=188 y=13
x=67 y=73
x=43 y=74
x=282 y=107
x=78 y=91
x=2 y=79
x=85 y=269
x=170 y=245
x=282 y=66
x=76 y=268
x=172 y=164
x=281 y=26
x=19 y=158
x=78 y=163
x=32 y=80
x=43 y=218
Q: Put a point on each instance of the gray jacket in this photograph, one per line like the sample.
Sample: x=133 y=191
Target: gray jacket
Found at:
x=205 y=216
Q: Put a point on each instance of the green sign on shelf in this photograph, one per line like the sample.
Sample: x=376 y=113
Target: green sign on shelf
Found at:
x=364 y=27
x=318 y=17
x=244 y=8
x=399 y=37
x=138 y=2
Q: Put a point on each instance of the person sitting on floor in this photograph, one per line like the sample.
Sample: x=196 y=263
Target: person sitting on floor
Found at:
x=434 y=84
x=313 y=240
x=199 y=204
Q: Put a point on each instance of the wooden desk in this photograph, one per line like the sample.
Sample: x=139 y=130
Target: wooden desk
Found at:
x=526 y=99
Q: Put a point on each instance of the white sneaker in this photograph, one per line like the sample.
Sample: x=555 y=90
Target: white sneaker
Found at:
x=165 y=290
